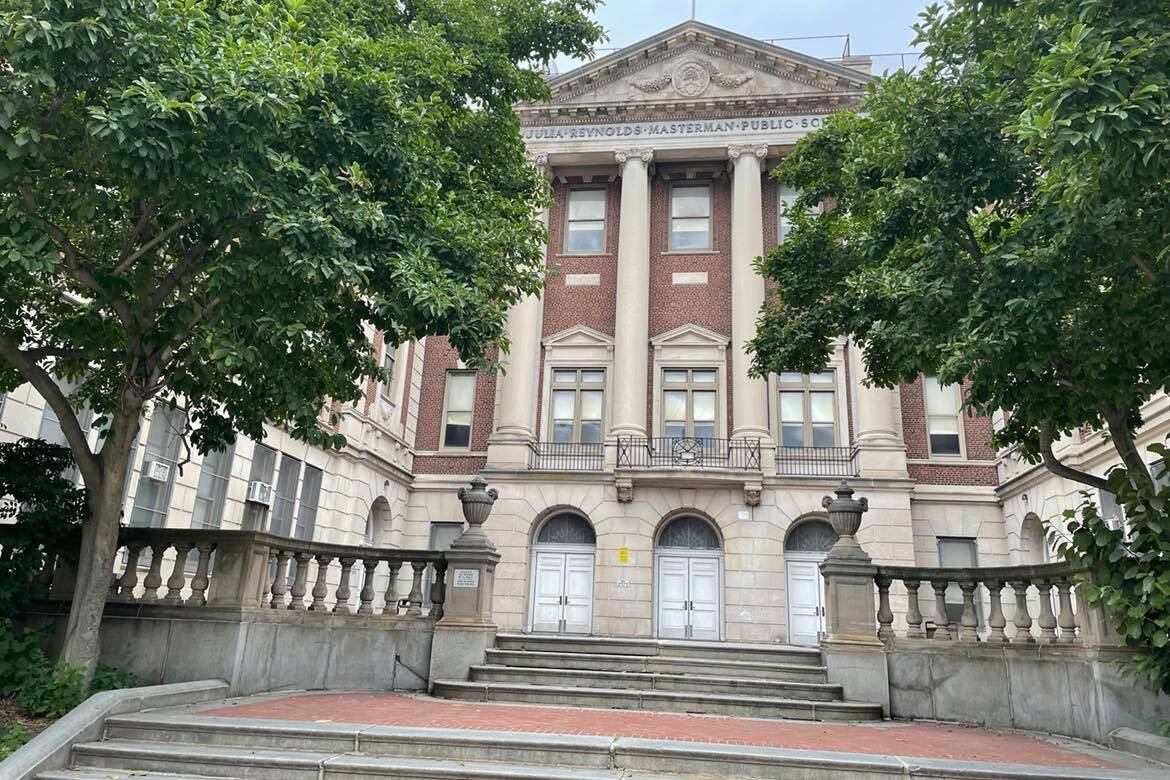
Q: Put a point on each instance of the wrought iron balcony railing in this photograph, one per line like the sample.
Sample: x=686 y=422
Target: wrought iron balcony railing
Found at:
x=816 y=461
x=565 y=456
x=689 y=453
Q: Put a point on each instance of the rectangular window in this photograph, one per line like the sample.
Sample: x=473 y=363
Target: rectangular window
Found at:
x=388 y=367
x=942 y=417
x=214 y=476
x=787 y=196
x=285 y=495
x=690 y=217
x=459 y=403
x=585 y=221
x=577 y=401
x=310 y=500
x=956 y=553
x=51 y=431
x=808 y=409
x=689 y=402
x=152 y=500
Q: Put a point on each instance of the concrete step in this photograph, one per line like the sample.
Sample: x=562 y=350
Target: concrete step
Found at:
x=661 y=664
x=658 y=681
x=114 y=774
x=217 y=761
x=659 y=701
x=712 y=651
x=378 y=741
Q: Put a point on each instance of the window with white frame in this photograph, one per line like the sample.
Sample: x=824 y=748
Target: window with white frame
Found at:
x=51 y=430
x=689 y=402
x=458 y=405
x=156 y=479
x=310 y=500
x=262 y=468
x=956 y=553
x=388 y=368
x=942 y=417
x=585 y=220
x=577 y=403
x=211 y=492
x=690 y=216
x=285 y=495
x=808 y=409
x=786 y=196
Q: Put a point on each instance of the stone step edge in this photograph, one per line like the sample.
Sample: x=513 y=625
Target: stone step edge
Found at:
x=660 y=756
x=714 y=698
x=698 y=679
x=660 y=644
x=662 y=659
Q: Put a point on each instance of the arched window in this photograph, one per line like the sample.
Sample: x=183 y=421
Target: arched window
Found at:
x=566 y=528
x=689 y=532
x=811 y=536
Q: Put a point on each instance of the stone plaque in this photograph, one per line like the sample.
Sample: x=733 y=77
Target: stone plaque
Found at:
x=466 y=578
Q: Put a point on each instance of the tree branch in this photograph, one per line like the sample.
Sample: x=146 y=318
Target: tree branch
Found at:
x=1054 y=465
x=1117 y=420
x=39 y=378
x=128 y=260
x=148 y=211
x=968 y=241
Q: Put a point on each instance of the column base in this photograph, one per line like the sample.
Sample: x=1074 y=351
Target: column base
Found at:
x=509 y=450
x=881 y=458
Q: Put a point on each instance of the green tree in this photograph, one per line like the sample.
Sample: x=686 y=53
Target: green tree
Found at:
x=1002 y=215
x=206 y=203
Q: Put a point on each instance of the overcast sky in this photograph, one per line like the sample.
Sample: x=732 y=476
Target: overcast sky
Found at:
x=875 y=26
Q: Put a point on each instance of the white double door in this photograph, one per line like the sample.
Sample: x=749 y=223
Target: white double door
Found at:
x=806 y=598
x=562 y=591
x=688 y=591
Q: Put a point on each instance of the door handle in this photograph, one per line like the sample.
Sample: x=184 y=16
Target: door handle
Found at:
x=566 y=600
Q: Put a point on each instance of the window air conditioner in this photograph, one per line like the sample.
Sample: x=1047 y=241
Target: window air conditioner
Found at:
x=157 y=471
x=259 y=493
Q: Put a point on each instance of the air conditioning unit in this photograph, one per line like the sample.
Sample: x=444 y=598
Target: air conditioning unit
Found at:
x=156 y=471
x=259 y=493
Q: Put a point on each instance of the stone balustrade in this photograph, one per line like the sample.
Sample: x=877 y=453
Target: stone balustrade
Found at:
x=1039 y=603
x=197 y=568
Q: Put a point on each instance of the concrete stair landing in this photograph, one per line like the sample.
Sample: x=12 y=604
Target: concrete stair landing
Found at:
x=716 y=678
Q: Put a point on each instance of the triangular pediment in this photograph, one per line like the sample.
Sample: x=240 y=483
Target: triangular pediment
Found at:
x=695 y=62
x=578 y=336
x=690 y=335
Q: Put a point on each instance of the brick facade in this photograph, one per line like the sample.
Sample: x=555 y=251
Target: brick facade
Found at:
x=441 y=357
x=976 y=433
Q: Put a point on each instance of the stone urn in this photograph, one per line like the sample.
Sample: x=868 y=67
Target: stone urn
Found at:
x=845 y=515
x=477 y=505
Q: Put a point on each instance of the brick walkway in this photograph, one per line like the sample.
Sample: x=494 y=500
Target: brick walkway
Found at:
x=922 y=740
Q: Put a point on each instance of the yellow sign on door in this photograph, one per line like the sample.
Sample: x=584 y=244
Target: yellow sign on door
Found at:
x=623 y=555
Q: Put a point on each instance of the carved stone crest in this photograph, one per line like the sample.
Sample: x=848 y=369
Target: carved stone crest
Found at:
x=692 y=78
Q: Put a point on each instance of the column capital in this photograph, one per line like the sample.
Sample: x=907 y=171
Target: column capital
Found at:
x=736 y=151
x=622 y=155
x=540 y=162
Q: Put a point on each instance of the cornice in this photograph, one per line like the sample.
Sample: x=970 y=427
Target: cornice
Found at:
x=731 y=107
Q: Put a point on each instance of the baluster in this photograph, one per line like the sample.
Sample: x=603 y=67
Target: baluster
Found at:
x=391 y=605
x=942 y=631
x=969 y=621
x=1047 y=616
x=1022 y=619
x=342 y=593
x=178 y=578
x=129 y=579
x=367 y=593
x=996 y=620
x=1068 y=621
x=280 y=581
x=201 y=580
x=415 y=599
x=439 y=589
x=153 y=579
x=115 y=582
x=913 y=611
x=321 y=586
x=885 y=615
x=300 y=581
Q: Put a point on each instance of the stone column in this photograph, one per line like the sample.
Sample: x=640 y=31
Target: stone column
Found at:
x=631 y=328
x=750 y=396
x=515 y=420
x=880 y=451
x=854 y=657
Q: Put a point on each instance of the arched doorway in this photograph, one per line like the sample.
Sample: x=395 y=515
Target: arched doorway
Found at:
x=688 y=580
x=1033 y=545
x=807 y=544
x=563 y=556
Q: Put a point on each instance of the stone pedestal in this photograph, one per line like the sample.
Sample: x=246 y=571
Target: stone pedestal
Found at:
x=241 y=574
x=466 y=630
x=854 y=657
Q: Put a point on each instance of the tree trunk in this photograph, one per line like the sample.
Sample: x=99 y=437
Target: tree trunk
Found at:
x=99 y=546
